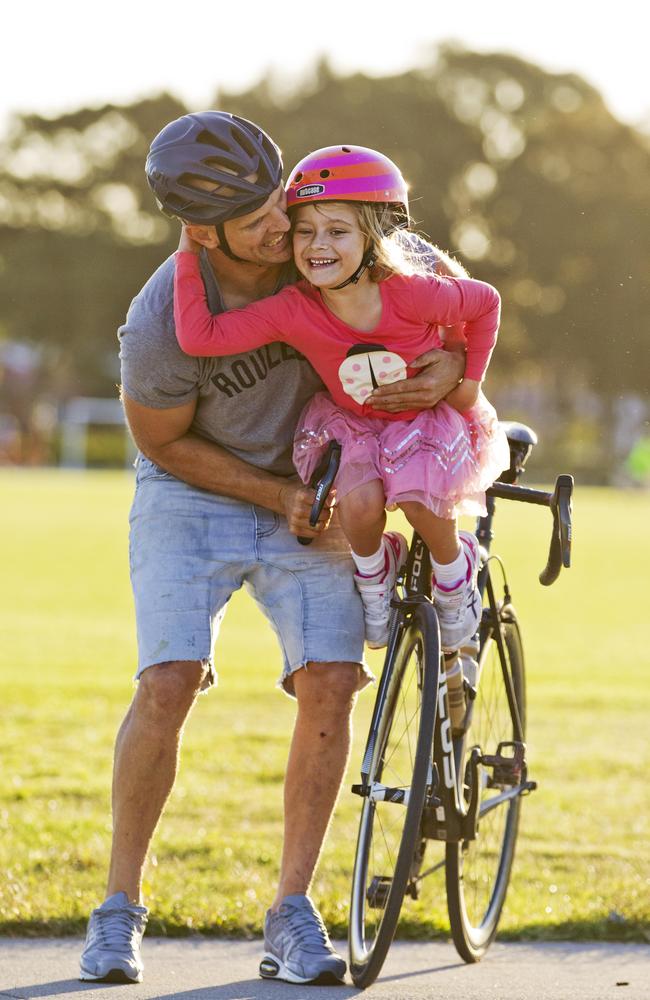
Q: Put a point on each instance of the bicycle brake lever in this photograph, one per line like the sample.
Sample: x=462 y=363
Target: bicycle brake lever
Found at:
x=322 y=481
x=560 y=549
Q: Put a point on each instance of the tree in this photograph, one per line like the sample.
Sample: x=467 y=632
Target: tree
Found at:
x=525 y=175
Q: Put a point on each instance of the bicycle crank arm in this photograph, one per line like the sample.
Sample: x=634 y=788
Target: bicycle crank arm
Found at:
x=497 y=800
x=377 y=792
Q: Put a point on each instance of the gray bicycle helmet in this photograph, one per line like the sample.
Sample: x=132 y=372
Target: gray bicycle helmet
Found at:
x=210 y=167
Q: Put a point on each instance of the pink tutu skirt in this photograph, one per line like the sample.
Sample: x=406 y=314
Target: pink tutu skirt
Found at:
x=440 y=458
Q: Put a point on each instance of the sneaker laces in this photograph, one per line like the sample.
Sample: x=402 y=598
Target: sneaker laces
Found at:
x=116 y=927
x=307 y=927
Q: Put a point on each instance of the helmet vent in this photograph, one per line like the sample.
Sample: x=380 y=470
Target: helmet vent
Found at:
x=247 y=145
x=298 y=177
x=226 y=168
x=324 y=173
x=208 y=139
x=346 y=149
x=196 y=182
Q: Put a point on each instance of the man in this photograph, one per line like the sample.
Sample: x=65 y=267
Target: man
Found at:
x=216 y=507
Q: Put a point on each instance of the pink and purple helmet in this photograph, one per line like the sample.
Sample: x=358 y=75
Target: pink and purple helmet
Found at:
x=347 y=173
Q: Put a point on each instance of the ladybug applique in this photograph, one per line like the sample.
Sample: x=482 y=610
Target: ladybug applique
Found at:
x=368 y=366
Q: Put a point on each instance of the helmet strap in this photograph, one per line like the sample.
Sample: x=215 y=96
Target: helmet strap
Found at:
x=224 y=246
x=368 y=261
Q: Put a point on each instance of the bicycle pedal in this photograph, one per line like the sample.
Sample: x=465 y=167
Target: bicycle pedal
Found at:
x=378 y=891
x=506 y=769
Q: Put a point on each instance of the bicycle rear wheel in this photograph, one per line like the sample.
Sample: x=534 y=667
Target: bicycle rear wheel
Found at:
x=389 y=830
x=478 y=871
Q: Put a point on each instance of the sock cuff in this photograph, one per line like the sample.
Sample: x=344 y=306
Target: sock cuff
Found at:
x=449 y=576
x=371 y=565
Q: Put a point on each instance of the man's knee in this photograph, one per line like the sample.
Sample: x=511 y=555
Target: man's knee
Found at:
x=167 y=691
x=320 y=684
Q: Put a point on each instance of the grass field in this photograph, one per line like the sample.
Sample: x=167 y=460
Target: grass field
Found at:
x=66 y=660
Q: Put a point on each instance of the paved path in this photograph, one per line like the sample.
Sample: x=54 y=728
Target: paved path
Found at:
x=226 y=970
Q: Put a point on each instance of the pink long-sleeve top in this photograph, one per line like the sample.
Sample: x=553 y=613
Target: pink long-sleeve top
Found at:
x=351 y=362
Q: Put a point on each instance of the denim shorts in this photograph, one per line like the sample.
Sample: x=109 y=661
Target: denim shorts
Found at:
x=191 y=549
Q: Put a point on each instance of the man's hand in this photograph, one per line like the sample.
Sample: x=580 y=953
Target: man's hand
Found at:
x=297 y=502
x=442 y=372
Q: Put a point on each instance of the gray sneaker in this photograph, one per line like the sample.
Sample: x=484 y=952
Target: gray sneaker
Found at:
x=298 y=949
x=112 y=951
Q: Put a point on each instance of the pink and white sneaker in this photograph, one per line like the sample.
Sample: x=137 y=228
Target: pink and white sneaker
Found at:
x=459 y=610
x=376 y=591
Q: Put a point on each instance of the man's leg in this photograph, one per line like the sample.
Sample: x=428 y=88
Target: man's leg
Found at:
x=297 y=946
x=320 y=747
x=145 y=765
x=311 y=601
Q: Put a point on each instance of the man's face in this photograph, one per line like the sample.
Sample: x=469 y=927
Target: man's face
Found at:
x=262 y=237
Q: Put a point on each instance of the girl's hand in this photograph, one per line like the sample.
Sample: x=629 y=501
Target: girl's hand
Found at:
x=186 y=244
x=464 y=396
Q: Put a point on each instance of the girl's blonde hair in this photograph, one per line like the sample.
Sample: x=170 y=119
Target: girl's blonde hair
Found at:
x=395 y=254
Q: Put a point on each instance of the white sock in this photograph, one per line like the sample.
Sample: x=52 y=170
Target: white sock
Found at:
x=450 y=576
x=371 y=565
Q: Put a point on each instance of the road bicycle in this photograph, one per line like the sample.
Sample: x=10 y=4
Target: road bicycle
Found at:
x=430 y=775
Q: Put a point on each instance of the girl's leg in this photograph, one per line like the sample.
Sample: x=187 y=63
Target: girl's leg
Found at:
x=377 y=556
x=363 y=517
x=455 y=560
x=439 y=534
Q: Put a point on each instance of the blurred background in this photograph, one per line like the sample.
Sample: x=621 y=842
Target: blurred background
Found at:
x=524 y=131
x=526 y=142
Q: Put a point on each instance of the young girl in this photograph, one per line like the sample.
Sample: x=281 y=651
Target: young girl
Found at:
x=361 y=316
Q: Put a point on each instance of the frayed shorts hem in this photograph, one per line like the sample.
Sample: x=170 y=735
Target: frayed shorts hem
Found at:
x=285 y=681
x=210 y=680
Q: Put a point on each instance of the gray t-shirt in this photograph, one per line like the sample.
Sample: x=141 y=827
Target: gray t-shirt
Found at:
x=247 y=403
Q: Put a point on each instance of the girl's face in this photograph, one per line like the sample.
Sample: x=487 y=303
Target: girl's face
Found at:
x=328 y=244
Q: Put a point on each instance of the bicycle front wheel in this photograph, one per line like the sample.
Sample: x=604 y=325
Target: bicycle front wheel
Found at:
x=400 y=769
x=478 y=871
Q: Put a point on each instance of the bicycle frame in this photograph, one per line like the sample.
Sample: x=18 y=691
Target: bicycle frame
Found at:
x=447 y=816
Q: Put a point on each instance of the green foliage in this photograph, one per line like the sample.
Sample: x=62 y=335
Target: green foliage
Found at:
x=524 y=174
x=66 y=661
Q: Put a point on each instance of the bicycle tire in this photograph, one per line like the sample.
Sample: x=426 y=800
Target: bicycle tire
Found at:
x=477 y=872
x=402 y=756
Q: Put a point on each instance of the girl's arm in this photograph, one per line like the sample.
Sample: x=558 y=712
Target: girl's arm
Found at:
x=202 y=334
x=464 y=396
x=447 y=301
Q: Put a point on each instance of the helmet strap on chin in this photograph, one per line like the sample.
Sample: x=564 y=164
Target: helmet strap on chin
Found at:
x=368 y=261
x=369 y=258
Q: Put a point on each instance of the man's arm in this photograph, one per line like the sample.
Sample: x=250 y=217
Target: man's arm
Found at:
x=164 y=436
x=442 y=370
